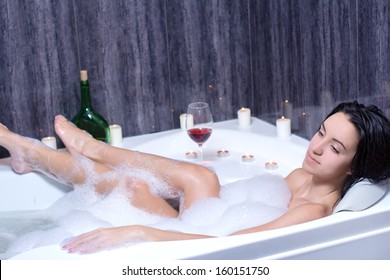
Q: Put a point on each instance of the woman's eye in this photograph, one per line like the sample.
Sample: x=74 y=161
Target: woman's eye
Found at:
x=320 y=133
x=334 y=149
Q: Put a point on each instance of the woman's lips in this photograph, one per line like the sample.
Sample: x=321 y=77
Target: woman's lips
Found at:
x=311 y=159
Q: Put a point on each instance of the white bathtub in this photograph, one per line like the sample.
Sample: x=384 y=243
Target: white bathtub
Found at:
x=343 y=235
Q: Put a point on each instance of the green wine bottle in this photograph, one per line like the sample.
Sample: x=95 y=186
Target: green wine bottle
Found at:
x=87 y=118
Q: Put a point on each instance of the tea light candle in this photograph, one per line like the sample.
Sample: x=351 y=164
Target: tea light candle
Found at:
x=50 y=141
x=116 y=135
x=191 y=154
x=271 y=165
x=283 y=127
x=190 y=121
x=222 y=153
x=244 y=117
x=247 y=158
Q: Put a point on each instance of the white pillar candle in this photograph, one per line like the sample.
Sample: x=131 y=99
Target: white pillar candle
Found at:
x=116 y=135
x=283 y=127
x=186 y=118
x=244 y=117
x=50 y=141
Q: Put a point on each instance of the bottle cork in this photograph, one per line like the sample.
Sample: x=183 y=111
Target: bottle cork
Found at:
x=83 y=75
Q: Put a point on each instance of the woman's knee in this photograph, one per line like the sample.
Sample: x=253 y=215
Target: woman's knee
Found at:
x=204 y=181
x=211 y=179
x=138 y=188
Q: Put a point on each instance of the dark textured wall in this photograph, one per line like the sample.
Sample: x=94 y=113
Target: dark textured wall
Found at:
x=148 y=59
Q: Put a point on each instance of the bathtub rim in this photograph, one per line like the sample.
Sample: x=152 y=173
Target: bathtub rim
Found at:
x=229 y=247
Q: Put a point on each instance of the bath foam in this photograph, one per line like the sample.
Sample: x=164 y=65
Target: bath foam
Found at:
x=21 y=231
x=242 y=204
x=114 y=207
x=79 y=211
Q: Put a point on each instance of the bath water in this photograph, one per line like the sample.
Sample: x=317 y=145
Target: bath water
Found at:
x=241 y=204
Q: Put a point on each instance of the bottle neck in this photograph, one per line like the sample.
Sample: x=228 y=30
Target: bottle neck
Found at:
x=85 y=95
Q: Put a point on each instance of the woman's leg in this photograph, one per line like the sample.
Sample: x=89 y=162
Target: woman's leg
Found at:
x=195 y=181
x=31 y=155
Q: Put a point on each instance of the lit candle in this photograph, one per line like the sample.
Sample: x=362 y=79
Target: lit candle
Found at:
x=247 y=158
x=244 y=117
x=287 y=109
x=283 y=127
x=186 y=118
x=304 y=124
x=222 y=153
x=271 y=165
x=116 y=135
x=191 y=154
x=50 y=141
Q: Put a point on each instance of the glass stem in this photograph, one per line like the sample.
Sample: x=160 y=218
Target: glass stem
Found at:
x=200 y=152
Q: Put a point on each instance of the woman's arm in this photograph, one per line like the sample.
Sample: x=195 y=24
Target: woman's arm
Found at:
x=298 y=215
x=106 y=238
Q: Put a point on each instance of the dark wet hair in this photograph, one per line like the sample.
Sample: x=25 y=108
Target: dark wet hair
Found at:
x=372 y=158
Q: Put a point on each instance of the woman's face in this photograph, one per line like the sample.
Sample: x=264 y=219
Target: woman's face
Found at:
x=332 y=149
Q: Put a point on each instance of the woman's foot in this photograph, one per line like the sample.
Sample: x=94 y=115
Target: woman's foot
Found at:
x=74 y=139
x=20 y=149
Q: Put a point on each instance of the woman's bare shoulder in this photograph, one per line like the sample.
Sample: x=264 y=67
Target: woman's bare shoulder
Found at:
x=296 y=172
x=297 y=178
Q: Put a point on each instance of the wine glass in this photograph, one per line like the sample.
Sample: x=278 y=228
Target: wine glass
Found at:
x=199 y=123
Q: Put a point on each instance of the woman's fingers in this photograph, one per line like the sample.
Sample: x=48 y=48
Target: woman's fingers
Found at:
x=101 y=239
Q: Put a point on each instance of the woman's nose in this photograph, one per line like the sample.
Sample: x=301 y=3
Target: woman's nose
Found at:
x=318 y=148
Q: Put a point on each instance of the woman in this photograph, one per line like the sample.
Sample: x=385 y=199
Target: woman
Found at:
x=351 y=144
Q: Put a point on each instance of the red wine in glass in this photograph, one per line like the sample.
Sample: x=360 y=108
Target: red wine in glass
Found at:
x=200 y=134
x=199 y=124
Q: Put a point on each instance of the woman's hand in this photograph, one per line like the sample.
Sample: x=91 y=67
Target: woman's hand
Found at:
x=103 y=238
x=108 y=238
